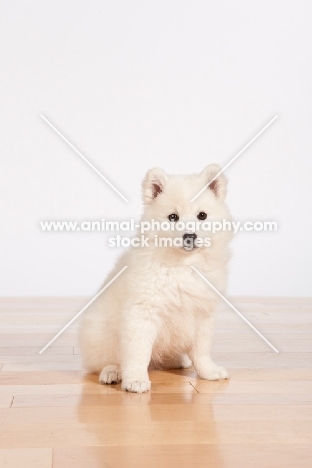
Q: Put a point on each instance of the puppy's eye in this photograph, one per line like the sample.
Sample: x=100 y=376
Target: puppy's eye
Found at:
x=173 y=217
x=202 y=215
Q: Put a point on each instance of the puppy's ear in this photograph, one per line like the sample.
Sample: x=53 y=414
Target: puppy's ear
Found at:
x=153 y=184
x=218 y=185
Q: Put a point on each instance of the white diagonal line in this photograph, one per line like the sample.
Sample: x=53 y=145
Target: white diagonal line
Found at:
x=82 y=310
x=235 y=310
x=235 y=157
x=84 y=158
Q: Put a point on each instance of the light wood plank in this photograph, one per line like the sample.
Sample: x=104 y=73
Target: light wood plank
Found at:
x=154 y=433
x=205 y=386
x=45 y=378
x=156 y=412
x=29 y=351
x=186 y=456
x=36 y=339
x=41 y=366
x=26 y=458
x=117 y=398
x=6 y=400
x=281 y=374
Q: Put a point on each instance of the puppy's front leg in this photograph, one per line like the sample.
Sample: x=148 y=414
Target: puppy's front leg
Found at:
x=137 y=338
x=205 y=367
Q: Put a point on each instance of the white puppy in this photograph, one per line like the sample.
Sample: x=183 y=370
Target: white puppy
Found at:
x=159 y=312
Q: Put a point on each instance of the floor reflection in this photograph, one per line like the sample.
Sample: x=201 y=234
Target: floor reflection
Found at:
x=164 y=427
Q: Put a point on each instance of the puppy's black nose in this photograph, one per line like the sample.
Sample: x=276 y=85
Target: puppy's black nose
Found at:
x=191 y=236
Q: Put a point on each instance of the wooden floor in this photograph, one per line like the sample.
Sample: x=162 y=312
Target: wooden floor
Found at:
x=52 y=414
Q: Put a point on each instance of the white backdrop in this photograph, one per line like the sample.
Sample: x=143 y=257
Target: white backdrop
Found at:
x=137 y=84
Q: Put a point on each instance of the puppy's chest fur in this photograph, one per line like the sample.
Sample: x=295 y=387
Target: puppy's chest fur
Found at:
x=177 y=298
x=174 y=290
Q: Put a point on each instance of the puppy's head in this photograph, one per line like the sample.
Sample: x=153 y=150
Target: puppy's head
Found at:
x=167 y=200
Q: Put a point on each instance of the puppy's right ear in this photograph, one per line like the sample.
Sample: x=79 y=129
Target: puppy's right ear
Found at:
x=153 y=184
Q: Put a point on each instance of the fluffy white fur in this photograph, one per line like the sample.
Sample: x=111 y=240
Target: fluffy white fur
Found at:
x=159 y=313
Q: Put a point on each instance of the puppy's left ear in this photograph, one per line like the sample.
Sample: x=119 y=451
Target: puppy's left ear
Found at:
x=153 y=185
x=218 y=185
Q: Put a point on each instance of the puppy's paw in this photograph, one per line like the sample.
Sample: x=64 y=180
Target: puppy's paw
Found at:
x=110 y=375
x=214 y=373
x=185 y=362
x=136 y=386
